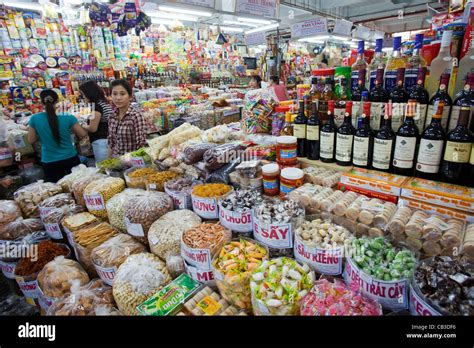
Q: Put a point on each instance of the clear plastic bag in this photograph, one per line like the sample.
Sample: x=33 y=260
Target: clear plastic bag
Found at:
x=116 y=207
x=9 y=211
x=55 y=279
x=18 y=142
x=222 y=175
x=137 y=177
x=98 y=192
x=113 y=252
x=93 y=298
x=77 y=173
x=20 y=228
x=195 y=152
x=56 y=201
x=164 y=235
x=80 y=184
x=218 y=156
x=29 y=197
x=139 y=277
x=142 y=211
x=175 y=265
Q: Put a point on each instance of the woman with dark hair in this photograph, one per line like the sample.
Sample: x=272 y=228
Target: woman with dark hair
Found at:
x=58 y=154
x=280 y=90
x=98 y=123
x=255 y=82
x=127 y=126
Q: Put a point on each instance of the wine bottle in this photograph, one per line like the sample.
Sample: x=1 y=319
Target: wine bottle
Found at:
x=377 y=63
x=345 y=138
x=405 y=143
x=431 y=148
x=420 y=94
x=441 y=64
x=414 y=62
x=463 y=98
x=363 y=140
x=455 y=164
x=384 y=142
x=441 y=95
x=312 y=134
x=399 y=94
x=394 y=62
x=378 y=94
x=299 y=130
x=359 y=65
x=328 y=136
x=359 y=88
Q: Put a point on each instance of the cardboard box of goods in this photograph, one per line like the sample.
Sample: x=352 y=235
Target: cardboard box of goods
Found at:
x=439 y=193
x=436 y=209
x=373 y=184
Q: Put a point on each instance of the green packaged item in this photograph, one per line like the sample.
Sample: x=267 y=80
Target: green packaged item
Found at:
x=171 y=298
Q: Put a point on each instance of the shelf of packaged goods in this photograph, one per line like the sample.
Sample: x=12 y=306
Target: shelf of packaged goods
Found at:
x=332 y=166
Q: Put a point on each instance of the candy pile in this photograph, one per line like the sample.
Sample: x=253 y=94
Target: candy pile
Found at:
x=278 y=211
x=378 y=258
x=330 y=299
x=242 y=200
x=325 y=234
x=448 y=284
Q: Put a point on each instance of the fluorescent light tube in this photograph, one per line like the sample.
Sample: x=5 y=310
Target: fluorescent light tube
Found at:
x=24 y=5
x=252 y=20
x=178 y=16
x=155 y=20
x=240 y=23
x=183 y=10
x=264 y=28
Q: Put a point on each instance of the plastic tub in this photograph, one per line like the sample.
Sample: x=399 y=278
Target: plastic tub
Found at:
x=290 y=179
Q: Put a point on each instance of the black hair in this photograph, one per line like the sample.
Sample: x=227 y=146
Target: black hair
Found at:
x=49 y=98
x=121 y=82
x=275 y=79
x=257 y=79
x=92 y=91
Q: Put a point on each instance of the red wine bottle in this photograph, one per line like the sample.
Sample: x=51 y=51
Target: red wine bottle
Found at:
x=457 y=153
x=328 y=136
x=363 y=141
x=463 y=98
x=405 y=143
x=378 y=94
x=312 y=134
x=299 y=130
x=441 y=95
x=431 y=148
x=384 y=143
x=399 y=94
x=345 y=138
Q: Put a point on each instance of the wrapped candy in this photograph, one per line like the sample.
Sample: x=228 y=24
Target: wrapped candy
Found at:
x=335 y=298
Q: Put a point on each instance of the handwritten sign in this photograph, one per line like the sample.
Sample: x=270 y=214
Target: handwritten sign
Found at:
x=278 y=236
x=200 y=258
x=310 y=27
x=206 y=208
x=321 y=260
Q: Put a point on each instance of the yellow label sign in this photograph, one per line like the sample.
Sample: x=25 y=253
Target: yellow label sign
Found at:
x=209 y=306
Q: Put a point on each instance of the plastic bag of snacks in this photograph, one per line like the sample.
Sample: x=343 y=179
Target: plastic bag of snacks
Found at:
x=108 y=256
x=180 y=191
x=9 y=211
x=137 y=177
x=56 y=201
x=138 y=278
x=194 y=153
x=206 y=239
x=20 y=228
x=77 y=172
x=98 y=192
x=140 y=212
x=279 y=285
x=116 y=207
x=93 y=298
x=158 y=180
x=29 y=197
x=233 y=267
x=175 y=265
x=80 y=184
x=164 y=235
x=55 y=279
x=335 y=298
x=52 y=219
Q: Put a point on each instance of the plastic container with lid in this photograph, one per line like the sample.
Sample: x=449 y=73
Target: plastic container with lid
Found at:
x=290 y=179
x=271 y=175
x=286 y=150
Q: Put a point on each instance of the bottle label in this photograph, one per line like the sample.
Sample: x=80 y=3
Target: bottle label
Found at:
x=327 y=145
x=355 y=112
x=398 y=113
x=457 y=152
x=354 y=79
x=429 y=156
x=373 y=76
x=420 y=116
x=339 y=114
x=382 y=153
x=453 y=121
x=361 y=151
x=444 y=118
x=299 y=131
x=344 y=147
x=411 y=76
x=390 y=79
x=312 y=133
x=404 y=152
x=270 y=184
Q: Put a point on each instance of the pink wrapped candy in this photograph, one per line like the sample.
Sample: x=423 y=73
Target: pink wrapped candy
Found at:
x=334 y=299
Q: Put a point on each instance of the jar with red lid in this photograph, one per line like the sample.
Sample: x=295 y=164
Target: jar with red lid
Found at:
x=271 y=176
x=286 y=150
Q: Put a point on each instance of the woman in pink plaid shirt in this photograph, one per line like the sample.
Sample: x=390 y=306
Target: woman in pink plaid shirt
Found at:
x=127 y=126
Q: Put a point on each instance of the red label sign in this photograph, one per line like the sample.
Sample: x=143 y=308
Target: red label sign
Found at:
x=206 y=208
x=8 y=269
x=236 y=221
x=53 y=231
x=419 y=307
x=94 y=201
x=107 y=274
x=278 y=236
x=200 y=258
x=322 y=260
x=206 y=277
